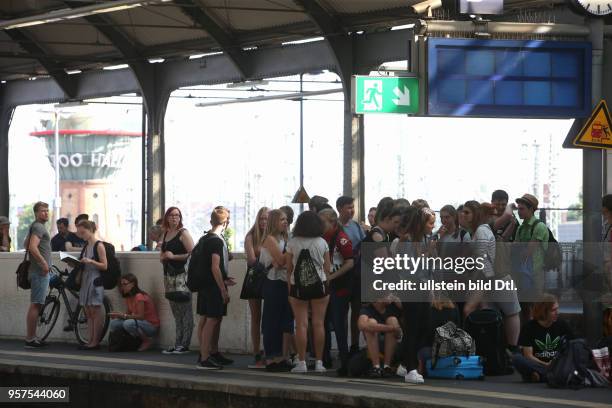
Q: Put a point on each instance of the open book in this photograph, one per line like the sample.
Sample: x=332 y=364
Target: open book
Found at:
x=69 y=259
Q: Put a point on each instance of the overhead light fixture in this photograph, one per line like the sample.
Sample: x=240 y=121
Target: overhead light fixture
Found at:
x=206 y=54
x=77 y=12
x=304 y=41
x=113 y=67
x=246 y=84
x=402 y=27
x=292 y=97
x=69 y=104
x=300 y=196
x=73 y=71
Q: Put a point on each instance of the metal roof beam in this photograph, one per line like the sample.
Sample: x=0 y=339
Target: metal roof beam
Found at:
x=56 y=71
x=328 y=24
x=228 y=44
x=335 y=35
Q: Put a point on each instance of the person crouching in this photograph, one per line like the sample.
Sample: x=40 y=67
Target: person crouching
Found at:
x=141 y=319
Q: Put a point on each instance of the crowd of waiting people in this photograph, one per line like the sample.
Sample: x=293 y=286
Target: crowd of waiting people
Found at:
x=297 y=321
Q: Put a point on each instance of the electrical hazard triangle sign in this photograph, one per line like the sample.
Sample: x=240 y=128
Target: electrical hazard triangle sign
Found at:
x=597 y=131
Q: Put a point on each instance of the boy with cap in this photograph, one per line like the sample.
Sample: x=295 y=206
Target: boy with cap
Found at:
x=535 y=233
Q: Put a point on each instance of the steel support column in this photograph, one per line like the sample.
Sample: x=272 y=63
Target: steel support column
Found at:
x=155 y=97
x=6 y=114
x=592 y=181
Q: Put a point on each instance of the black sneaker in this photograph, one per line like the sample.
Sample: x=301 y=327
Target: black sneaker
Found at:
x=180 y=350
x=209 y=364
x=389 y=372
x=280 y=367
x=221 y=359
x=33 y=344
x=68 y=328
x=328 y=363
x=375 y=372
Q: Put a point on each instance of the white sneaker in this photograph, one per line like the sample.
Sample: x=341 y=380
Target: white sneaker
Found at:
x=300 y=368
x=319 y=368
x=401 y=371
x=413 y=377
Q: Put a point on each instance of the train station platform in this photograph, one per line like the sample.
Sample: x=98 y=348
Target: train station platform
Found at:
x=150 y=379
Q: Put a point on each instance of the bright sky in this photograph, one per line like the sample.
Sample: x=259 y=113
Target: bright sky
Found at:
x=247 y=155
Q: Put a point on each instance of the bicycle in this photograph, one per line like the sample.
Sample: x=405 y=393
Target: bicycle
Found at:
x=51 y=309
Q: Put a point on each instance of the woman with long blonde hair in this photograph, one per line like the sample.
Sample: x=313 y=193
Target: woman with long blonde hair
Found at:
x=277 y=319
x=252 y=248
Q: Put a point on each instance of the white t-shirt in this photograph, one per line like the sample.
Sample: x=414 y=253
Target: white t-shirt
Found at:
x=266 y=260
x=484 y=242
x=317 y=248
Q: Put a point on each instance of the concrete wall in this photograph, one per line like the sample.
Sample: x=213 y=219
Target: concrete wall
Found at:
x=234 y=331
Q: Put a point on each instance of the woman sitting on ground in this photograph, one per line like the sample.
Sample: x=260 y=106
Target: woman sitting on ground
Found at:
x=541 y=340
x=141 y=319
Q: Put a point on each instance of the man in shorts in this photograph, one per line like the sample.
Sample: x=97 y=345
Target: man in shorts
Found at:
x=378 y=321
x=38 y=243
x=213 y=297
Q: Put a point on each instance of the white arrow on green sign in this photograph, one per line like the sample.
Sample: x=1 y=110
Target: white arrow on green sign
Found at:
x=373 y=94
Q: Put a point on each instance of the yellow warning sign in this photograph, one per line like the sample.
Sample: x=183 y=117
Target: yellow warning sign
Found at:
x=597 y=132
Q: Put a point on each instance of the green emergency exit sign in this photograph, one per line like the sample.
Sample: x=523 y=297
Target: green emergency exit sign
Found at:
x=374 y=94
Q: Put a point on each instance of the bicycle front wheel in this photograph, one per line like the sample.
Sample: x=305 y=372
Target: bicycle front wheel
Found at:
x=47 y=317
x=81 y=327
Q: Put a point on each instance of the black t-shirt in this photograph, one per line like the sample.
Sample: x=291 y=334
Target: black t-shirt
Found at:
x=213 y=244
x=175 y=245
x=544 y=341
x=58 y=242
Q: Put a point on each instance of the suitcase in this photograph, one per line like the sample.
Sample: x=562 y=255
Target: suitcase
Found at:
x=486 y=327
x=456 y=368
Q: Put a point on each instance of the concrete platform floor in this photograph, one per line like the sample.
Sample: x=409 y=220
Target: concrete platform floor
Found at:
x=153 y=369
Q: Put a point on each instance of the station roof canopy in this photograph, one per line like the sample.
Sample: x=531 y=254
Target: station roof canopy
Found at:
x=56 y=38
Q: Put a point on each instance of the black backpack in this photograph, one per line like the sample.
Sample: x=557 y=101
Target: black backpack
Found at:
x=110 y=277
x=570 y=367
x=552 y=256
x=121 y=340
x=487 y=328
x=308 y=284
x=196 y=267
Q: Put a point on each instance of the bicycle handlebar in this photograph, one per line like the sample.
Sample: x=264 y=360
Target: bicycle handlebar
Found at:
x=59 y=271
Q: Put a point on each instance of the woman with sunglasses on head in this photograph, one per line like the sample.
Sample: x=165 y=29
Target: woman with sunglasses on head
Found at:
x=176 y=245
x=141 y=319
